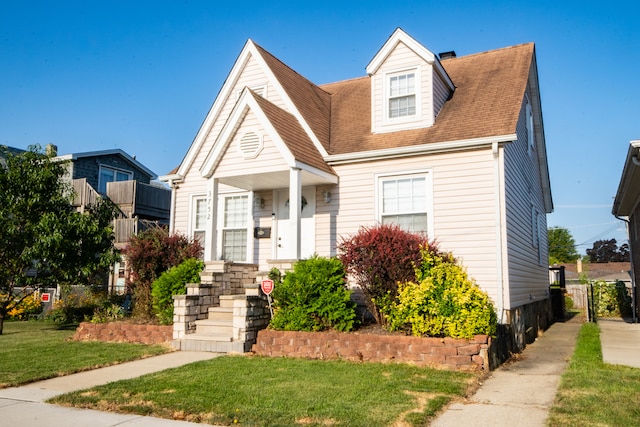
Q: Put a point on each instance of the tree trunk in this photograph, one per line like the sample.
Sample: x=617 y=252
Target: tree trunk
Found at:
x=1 y=323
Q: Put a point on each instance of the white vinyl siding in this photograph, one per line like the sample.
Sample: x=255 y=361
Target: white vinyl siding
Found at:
x=233 y=163
x=252 y=76
x=234 y=228
x=402 y=61
x=526 y=225
x=463 y=206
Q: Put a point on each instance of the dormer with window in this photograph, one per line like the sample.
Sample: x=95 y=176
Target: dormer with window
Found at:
x=408 y=85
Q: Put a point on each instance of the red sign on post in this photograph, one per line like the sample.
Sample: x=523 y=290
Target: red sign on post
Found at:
x=45 y=297
x=267 y=286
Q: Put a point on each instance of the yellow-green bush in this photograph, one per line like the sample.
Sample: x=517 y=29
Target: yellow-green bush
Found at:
x=444 y=301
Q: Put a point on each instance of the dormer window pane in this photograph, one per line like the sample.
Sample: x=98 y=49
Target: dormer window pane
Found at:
x=402 y=95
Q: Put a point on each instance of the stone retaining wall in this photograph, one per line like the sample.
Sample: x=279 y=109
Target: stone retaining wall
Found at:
x=445 y=353
x=123 y=332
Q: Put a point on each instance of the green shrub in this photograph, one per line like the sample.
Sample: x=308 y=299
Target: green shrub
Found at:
x=379 y=257
x=443 y=301
x=173 y=282
x=611 y=300
x=314 y=297
x=77 y=306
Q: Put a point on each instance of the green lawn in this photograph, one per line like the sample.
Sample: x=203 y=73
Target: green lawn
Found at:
x=260 y=391
x=36 y=350
x=593 y=393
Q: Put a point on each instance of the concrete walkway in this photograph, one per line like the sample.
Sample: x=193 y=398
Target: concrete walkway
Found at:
x=620 y=342
x=24 y=406
x=520 y=392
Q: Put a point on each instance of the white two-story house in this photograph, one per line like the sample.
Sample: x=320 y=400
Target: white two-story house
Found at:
x=283 y=168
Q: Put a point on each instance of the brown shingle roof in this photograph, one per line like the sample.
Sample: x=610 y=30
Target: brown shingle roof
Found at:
x=490 y=87
x=293 y=135
x=313 y=103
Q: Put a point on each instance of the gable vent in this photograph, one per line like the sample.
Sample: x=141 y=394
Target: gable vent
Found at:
x=250 y=145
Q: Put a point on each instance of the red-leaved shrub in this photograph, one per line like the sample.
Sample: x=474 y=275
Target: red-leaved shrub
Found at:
x=379 y=257
x=150 y=254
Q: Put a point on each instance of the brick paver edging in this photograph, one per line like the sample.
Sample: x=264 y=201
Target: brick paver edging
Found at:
x=449 y=353
x=124 y=332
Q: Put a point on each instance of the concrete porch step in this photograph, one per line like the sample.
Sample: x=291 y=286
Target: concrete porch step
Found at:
x=215 y=327
x=220 y=313
x=210 y=343
x=227 y=301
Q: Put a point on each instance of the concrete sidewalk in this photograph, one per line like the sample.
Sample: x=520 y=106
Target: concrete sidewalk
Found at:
x=520 y=392
x=620 y=342
x=24 y=406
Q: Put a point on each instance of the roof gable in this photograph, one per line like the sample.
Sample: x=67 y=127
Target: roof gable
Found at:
x=399 y=36
x=308 y=104
x=291 y=140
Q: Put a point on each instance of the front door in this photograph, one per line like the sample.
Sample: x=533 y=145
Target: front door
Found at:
x=283 y=249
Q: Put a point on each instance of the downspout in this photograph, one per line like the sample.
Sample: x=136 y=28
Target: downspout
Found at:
x=495 y=148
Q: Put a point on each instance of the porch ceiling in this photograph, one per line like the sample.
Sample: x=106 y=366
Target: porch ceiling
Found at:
x=271 y=180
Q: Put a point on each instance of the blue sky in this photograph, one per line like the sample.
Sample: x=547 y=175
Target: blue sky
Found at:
x=142 y=75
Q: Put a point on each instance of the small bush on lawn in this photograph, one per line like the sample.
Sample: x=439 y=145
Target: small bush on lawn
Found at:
x=173 y=282
x=443 y=301
x=378 y=258
x=314 y=297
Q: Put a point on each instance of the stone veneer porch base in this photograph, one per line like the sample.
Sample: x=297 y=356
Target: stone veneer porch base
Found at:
x=447 y=353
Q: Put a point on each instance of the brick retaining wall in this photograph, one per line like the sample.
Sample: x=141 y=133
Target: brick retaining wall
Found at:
x=446 y=353
x=124 y=332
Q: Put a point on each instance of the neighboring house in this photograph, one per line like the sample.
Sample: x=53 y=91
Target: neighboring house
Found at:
x=283 y=168
x=626 y=206
x=127 y=183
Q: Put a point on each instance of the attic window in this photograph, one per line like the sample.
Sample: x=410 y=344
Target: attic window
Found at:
x=250 y=145
x=402 y=95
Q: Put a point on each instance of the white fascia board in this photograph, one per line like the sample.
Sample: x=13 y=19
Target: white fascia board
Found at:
x=214 y=111
x=291 y=108
x=315 y=171
x=397 y=37
x=171 y=178
x=246 y=103
x=437 y=147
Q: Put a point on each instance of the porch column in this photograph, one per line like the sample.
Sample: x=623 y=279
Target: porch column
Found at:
x=210 y=237
x=295 y=211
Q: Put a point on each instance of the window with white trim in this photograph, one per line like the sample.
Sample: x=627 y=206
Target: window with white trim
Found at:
x=404 y=200
x=109 y=174
x=402 y=95
x=199 y=219
x=530 y=134
x=234 y=227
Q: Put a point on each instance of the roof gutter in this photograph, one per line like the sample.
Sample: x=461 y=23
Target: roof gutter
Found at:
x=431 y=148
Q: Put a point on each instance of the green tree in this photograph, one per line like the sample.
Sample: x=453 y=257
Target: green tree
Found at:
x=562 y=246
x=44 y=241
